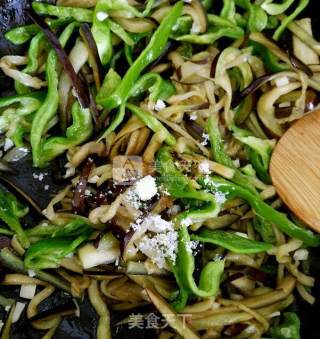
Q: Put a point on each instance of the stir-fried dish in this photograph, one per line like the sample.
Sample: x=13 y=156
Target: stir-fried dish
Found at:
x=164 y=115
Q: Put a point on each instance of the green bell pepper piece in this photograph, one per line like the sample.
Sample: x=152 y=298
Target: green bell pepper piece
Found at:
x=36 y=45
x=180 y=187
x=182 y=26
x=78 y=14
x=20 y=35
x=154 y=83
x=213 y=35
x=11 y=210
x=257 y=18
x=110 y=83
x=73 y=228
x=64 y=240
x=120 y=32
x=41 y=231
x=273 y=8
x=119 y=5
x=80 y=130
x=270 y=60
x=18 y=135
x=219 y=27
x=264 y=228
x=260 y=151
x=207 y=4
x=48 y=253
x=231 y=241
x=284 y=24
x=221 y=156
x=183 y=270
x=216 y=143
x=149 y=54
x=28 y=103
x=43 y=150
x=102 y=33
x=228 y=10
x=263 y=210
x=6 y=232
x=288 y=329
x=49 y=107
x=152 y=122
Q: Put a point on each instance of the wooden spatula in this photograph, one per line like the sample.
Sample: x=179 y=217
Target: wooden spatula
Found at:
x=295 y=169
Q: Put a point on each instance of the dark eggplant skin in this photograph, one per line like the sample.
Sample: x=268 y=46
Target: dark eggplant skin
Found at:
x=12 y=14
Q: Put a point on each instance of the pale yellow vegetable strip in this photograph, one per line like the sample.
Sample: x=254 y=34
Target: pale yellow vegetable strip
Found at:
x=172 y=318
x=103 y=331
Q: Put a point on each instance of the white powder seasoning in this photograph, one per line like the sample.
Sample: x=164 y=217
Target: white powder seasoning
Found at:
x=146 y=188
x=155 y=223
x=132 y=198
x=191 y=246
x=160 y=248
